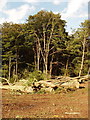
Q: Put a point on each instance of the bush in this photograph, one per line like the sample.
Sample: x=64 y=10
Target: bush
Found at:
x=35 y=76
x=25 y=73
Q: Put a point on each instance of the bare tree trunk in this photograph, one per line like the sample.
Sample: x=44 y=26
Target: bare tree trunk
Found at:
x=9 y=69
x=46 y=57
x=44 y=49
x=35 y=61
x=89 y=71
x=66 y=69
x=83 y=55
x=16 y=71
x=38 y=55
x=46 y=64
x=44 y=38
x=16 y=66
x=51 y=66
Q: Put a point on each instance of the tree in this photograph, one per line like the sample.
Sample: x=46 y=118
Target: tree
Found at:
x=48 y=32
x=6 y=52
x=80 y=48
x=11 y=43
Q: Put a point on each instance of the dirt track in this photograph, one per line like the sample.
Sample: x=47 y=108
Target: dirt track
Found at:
x=64 y=105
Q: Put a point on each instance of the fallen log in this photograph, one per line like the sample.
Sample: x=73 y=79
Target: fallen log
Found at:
x=2 y=78
x=71 y=84
x=46 y=84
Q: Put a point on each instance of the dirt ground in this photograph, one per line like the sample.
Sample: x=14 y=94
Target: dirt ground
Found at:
x=73 y=104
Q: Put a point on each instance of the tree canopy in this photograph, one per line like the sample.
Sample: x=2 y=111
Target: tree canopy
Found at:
x=42 y=44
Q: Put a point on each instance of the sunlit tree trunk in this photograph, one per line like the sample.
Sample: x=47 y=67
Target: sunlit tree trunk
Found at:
x=38 y=55
x=35 y=62
x=16 y=70
x=51 y=63
x=83 y=55
x=66 y=68
x=9 y=76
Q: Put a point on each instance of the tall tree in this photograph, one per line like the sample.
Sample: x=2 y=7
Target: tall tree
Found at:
x=11 y=42
x=49 y=36
x=80 y=48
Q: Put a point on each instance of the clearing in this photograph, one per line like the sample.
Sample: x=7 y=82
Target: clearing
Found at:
x=73 y=104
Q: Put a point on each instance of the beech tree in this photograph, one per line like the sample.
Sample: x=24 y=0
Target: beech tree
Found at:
x=49 y=35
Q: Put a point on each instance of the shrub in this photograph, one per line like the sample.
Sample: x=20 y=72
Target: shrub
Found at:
x=35 y=76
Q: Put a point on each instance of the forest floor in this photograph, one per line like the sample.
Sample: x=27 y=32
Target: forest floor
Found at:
x=73 y=104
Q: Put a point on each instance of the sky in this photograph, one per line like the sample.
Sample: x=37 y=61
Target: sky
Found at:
x=72 y=11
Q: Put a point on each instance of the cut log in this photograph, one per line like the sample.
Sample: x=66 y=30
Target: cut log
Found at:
x=49 y=89
x=71 y=84
x=29 y=89
x=46 y=84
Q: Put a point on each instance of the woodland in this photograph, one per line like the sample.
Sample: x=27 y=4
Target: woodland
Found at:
x=41 y=48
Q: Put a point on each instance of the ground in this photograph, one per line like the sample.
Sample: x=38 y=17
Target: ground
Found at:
x=73 y=104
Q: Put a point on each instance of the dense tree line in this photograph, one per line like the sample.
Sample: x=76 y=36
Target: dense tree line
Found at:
x=42 y=44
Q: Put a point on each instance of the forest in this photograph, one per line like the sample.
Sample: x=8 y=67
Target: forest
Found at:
x=41 y=47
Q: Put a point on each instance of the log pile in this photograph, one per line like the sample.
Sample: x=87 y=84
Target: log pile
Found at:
x=52 y=84
x=60 y=82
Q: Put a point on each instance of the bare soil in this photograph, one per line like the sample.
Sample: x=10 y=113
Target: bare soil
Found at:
x=73 y=104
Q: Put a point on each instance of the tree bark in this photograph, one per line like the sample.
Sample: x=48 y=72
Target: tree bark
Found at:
x=38 y=55
x=89 y=71
x=16 y=71
x=35 y=61
x=9 y=76
x=83 y=55
x=66 y=69
x=51 y=66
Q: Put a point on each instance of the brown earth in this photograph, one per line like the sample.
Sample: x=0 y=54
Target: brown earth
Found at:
x=73 y=104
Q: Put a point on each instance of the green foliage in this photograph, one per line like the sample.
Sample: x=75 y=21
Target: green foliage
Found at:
x=25 y=73
x=41 y=91
x=20 y=43
x=75 y=48
x=35 y=76
x=13 y=79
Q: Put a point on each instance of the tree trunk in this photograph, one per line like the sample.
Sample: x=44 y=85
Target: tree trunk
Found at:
x=38 y=55
x=16 y=71
x=35 y=61
x=66 y=69
x=83 y=55
x=46 y=58
x=89 y=71
x=16 y=67
x=51 y=66
x=44 y=38
x=46 y=65
x=9 y=76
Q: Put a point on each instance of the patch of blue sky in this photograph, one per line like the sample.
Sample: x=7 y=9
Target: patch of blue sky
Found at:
x=18 y=11
x=11 y=5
